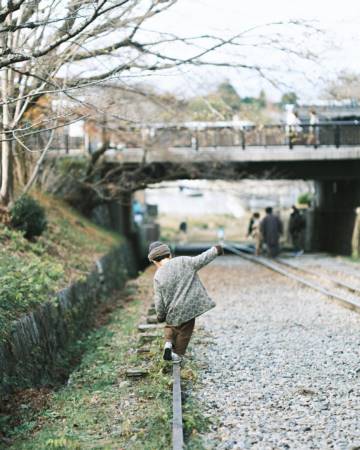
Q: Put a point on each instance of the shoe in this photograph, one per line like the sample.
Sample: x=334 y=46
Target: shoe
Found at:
x=167 y=352
x=176 y=358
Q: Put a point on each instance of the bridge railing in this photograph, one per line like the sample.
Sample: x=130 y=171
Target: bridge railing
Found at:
x=61 y=142
x=325 y=134
x=335 y=134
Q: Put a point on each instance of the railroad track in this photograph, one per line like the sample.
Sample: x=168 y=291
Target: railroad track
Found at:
x=177 y=425
x=148 y=332
x=347 y=287
x=341 y=292
x=345 y=294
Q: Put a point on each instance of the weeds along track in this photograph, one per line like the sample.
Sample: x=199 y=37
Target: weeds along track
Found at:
x=337 y=290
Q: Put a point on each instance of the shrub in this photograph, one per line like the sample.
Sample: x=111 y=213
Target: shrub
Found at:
x=28 y=216
x=305 y=198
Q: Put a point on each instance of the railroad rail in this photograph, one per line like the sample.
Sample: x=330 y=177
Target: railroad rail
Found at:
x=282 y=267
x=177 y=426
x=329 y=279
x=147 y=335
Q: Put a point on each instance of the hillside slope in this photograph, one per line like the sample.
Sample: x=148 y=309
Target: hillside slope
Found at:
x=31 y=271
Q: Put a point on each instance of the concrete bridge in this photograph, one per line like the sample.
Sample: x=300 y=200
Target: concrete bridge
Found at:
x=244 y=134
x=327 y=153
x=299 y=163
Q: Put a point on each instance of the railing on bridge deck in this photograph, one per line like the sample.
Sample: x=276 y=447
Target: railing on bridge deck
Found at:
x=336 y=134
x=61 y=142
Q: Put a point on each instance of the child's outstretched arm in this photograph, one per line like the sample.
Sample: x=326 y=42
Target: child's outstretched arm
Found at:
x=206 y=257
x=159 y=303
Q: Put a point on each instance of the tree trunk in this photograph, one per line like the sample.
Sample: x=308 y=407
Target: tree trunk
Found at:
x=36 y=170
x=19 y=165
x=7 y=184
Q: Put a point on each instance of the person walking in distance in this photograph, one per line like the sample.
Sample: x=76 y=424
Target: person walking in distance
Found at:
x=179 y=295
x=296 y=227
x=183 y=228
x=293 y=127
x=254 y=232
x=314 y=131
x=271 y=229
x=251 y=225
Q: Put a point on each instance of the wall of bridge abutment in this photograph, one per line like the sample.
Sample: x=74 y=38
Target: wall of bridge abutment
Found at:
x=334 y=215
x=117 y=215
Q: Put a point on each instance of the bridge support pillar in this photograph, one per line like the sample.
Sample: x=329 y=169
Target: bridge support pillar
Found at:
x=121 y=216
x=335 y=205
x=116 y=215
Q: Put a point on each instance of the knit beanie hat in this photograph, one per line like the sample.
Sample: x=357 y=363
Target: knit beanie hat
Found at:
x=158 y=249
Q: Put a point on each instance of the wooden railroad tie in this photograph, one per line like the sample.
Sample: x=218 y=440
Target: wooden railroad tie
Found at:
x=149 y=327
x=136 y=373
x=148 y=337
x=152 y=319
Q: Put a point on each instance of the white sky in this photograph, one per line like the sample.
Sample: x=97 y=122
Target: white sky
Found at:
x=339 y=47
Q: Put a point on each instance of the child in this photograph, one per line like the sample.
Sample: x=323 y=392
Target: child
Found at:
x=256 y=233
x=179 y=295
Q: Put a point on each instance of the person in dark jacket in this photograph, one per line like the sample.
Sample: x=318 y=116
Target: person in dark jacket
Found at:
x=253 y=222
x=271 y=229
x=296 y=227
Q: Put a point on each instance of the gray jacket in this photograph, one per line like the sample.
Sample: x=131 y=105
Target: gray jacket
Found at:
x=179 y=294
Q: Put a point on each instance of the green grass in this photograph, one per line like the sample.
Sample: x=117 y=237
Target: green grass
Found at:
x=85 y=414
x=352 y=259
x=30 y=272
x=102 y=409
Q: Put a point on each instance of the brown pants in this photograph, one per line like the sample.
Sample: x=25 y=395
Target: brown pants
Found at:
x=180 y=335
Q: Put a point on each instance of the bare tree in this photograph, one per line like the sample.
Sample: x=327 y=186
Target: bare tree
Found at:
x=345 y=87
x=114 y=182
x=53 y=48
x=44 y=49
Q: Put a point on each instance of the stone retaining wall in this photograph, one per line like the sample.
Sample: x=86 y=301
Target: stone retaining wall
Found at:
x=32 y=354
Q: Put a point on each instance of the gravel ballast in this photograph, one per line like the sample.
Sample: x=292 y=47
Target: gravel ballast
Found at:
x=281 y=363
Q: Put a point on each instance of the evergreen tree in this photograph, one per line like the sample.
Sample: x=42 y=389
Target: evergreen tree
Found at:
x=229 y=95
x=289 y=98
